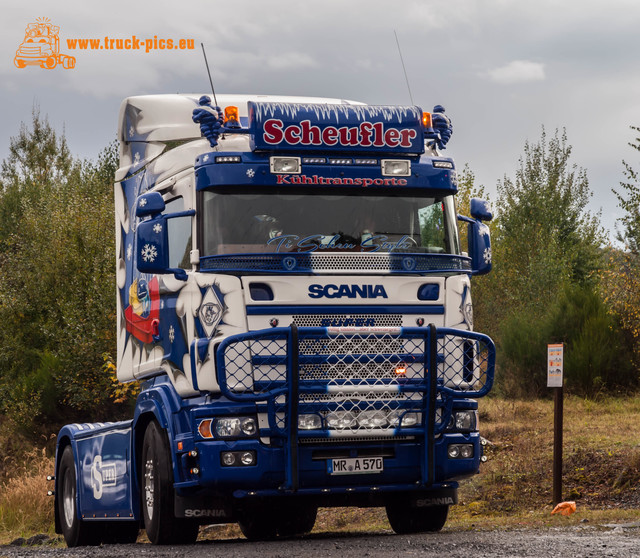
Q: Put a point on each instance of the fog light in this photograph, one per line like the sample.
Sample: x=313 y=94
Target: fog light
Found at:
x=408 y=419
x=228 y=458
x=466 y=451
x=460 y=451
x=309 y=422
x=248 y=458
x=285 y=165
x=372 y=419
x=340 y=420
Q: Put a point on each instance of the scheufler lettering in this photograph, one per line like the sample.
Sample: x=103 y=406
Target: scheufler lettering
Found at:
x=366 y=134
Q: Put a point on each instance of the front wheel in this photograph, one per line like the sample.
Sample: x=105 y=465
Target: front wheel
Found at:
x=405 y=519
x=76 y=532
x=161 y=525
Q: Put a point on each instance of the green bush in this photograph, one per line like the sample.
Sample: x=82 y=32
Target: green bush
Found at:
x=595 y=355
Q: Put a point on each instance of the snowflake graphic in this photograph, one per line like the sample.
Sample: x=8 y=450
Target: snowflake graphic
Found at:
x=157 y=228
x=149 y=253
x=484 y=230
x=487 y=255
x=136 y=159
x=172 y=334
x=251 y=173
x=129 y=251
x=205 y=158
x=142 y=202
x=131 y=131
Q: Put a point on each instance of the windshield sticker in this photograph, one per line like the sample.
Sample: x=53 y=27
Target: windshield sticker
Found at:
x=311 y=243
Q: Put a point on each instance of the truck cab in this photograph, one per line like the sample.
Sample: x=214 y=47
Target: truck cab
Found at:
x=293 y=298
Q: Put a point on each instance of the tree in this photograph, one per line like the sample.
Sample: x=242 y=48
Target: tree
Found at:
x=57 y=290
x=547 y=255
x=630 y=235
x=37 y=160
x=545 y=235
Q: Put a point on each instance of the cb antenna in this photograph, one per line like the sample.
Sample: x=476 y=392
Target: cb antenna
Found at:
x=403 y=68
x=208 y=72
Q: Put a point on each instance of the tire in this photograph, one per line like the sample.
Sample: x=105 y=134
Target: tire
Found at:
x=76 y=532
x=405 y=520
x=258 y=523
x=156 y=476
x=68 y=62
x=50 y=63
x=19 y=62
x=297 y=520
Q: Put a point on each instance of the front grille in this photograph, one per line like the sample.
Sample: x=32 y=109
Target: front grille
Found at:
x=348 y=320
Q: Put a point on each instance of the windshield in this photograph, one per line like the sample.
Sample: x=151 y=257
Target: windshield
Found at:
x=253 y=223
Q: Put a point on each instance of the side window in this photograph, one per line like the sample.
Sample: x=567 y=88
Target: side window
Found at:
x=179 y=231
x=432 y=225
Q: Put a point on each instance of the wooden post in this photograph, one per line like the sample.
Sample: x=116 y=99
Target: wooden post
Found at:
x=557 y=445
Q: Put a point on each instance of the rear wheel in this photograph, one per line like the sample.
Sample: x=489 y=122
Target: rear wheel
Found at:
x=76 y=532
x=161 y=525
x=405 y=520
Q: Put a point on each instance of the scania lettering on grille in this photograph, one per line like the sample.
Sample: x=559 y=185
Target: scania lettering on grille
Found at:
x=347 y=291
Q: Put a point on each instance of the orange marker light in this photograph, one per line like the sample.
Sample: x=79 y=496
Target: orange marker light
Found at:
x=401 y=369
x=180 y=446
x=204 y=428
x=232 y=117
x=426 y=120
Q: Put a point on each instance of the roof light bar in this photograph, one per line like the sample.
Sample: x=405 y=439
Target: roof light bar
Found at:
x=229 y=159
x=314 y=160
x=340 y=161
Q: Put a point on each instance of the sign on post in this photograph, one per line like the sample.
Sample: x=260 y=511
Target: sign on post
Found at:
x=555 y=356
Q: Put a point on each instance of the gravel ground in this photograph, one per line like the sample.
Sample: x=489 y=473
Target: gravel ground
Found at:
x=583 y=541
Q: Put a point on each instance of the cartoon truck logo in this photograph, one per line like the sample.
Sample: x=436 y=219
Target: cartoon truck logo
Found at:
x=41 y=46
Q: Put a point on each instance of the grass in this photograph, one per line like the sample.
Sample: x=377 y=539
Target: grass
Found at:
x=513 y=489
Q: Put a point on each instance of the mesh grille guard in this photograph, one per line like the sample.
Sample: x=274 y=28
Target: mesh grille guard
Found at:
x=360 y=382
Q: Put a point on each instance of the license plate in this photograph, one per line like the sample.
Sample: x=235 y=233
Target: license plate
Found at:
x=355 y=465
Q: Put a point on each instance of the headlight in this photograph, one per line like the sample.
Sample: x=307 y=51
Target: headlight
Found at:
x=235 y=427
x=463 y=421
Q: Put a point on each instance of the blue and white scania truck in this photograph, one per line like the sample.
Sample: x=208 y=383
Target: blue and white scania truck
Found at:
x=294 y=300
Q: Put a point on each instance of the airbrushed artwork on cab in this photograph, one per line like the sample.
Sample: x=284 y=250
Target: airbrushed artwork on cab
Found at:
x=167 y=325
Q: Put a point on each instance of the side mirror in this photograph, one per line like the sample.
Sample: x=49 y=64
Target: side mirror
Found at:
x=152 y=245
x=479 y=239
x=150 y=204
x=480 y=210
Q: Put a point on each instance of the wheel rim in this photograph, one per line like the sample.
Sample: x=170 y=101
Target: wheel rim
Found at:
x=69 y=500
x=149 y=487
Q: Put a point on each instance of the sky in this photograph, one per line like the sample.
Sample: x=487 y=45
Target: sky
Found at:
x=503 y=69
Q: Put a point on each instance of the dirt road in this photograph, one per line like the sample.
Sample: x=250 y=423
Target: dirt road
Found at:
x=589 y=540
